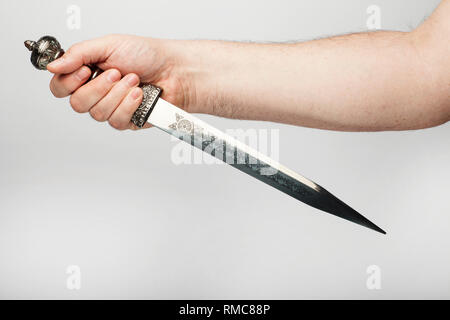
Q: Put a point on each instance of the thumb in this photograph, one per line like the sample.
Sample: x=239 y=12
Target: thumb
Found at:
x=83 y=53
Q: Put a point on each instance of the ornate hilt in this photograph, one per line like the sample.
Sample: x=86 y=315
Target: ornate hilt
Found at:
x=47 y=49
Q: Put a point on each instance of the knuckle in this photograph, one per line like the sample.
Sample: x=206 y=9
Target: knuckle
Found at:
x=123 y=126
x=98 y=114
x=54 y=89
x=116 y=124
x=74 y=48
x=113 y=123
x=76 y=103
x=71 y=51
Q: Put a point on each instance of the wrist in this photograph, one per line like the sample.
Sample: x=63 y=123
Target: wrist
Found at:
x=194 y=68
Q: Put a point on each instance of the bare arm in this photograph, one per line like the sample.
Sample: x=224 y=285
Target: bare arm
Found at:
x=360 y=82
x=369 y=81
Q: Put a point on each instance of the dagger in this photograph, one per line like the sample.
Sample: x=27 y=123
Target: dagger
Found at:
x=203 y=136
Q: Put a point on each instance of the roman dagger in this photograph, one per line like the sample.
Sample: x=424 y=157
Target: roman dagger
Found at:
x=201 y=135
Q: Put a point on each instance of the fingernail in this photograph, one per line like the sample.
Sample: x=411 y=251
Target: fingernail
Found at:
x=82 y=74
x=57 y=62
x=136 y=93
x=132 y=80
x=113 y=75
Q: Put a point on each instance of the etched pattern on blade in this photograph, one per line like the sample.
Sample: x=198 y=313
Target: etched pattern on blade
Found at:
x=230 y=153
x=205 y=137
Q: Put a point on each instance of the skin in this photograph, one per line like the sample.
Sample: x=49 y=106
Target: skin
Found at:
x=360 y=82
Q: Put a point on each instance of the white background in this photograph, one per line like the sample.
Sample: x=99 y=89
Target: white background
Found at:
x=76 y=192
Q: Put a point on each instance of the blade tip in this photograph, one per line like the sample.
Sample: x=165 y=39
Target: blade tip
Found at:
x=378 y=229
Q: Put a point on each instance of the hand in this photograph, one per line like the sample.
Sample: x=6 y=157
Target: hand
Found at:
x=114 y=95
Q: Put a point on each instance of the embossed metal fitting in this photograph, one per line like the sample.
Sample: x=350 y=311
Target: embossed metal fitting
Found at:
x=151 y=95
x=44 y=51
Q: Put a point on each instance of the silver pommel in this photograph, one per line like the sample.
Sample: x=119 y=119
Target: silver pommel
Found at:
x=44 y=51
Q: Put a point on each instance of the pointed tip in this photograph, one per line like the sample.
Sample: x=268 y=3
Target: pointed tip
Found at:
x=333 y=205
x=376 y=228
x=29 y=44
x=366 y=222
x=363 y=221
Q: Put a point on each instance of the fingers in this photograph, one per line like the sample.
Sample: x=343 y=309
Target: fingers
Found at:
x=121 y=117
x=83 y=53
x=83 y=99
x=106 y=106
x=107 y=97
x=63 y=85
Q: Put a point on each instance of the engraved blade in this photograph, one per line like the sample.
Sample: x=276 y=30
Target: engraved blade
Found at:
x=201 y=135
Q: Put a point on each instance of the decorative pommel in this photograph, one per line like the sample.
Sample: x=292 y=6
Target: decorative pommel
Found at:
x=44 y=51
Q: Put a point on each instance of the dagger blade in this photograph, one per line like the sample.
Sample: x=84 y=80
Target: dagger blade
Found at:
x=203 y=136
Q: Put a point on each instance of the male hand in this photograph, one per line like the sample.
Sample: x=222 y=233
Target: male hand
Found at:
x=114 y=95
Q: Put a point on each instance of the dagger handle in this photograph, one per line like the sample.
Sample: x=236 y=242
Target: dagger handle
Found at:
x=48 y=49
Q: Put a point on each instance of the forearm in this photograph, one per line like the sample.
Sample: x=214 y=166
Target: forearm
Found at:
x=360 y=82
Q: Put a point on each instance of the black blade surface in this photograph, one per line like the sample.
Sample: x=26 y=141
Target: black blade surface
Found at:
x=203 y=136
x=318 y=197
